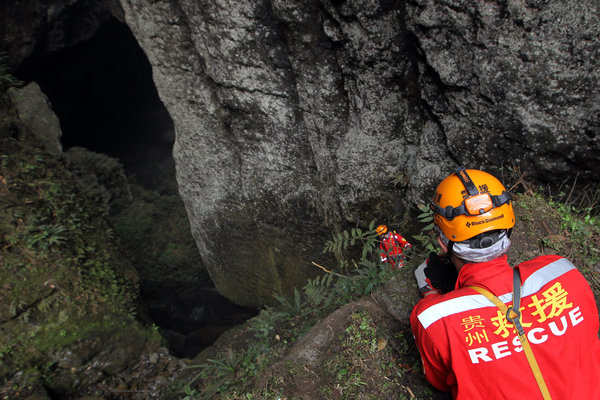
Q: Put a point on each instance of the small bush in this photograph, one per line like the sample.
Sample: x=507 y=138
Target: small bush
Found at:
x=6 y=78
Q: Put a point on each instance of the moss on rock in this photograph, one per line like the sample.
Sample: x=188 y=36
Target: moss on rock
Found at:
x=68 y=298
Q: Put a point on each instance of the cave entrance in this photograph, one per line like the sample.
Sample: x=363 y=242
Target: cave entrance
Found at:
x=104 y=96
x=103 y=93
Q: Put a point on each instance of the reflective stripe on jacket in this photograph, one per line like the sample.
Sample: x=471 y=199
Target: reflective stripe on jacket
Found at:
x=467 y=345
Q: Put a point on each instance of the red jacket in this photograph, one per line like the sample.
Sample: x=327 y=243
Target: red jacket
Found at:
x=392 y=246
x=468 y=347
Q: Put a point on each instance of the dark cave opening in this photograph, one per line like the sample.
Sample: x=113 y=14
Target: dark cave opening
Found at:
x=104 y=96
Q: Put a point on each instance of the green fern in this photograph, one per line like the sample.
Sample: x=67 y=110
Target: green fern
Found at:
x=368 y=272
x=342 y=240
x=317 y=290
x=226 y=366
x=427 y=235
x=292 y=307
x=6 y=79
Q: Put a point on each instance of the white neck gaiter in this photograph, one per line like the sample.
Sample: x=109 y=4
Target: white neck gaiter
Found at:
x=464 y=251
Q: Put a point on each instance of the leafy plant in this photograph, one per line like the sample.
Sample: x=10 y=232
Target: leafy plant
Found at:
x=264 y=323
x=44 y=236
x=190 y=393
x=293 y=307
x=368 y=272
x=6 y=78
x=225 y=366
x=342 y=240
x=427 y=235
x=318 y=291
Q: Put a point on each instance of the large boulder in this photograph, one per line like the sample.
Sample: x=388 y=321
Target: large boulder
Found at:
x=35 y=113
x=291 y=118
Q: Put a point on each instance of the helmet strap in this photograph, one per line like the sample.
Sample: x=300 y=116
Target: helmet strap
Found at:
x=466 y=180
x=450 y=246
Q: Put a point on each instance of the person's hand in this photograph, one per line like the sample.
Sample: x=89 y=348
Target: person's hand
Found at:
x=435 y=275
x=424 y=284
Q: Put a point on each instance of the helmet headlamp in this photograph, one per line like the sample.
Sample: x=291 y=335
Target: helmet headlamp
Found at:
x=475 y=204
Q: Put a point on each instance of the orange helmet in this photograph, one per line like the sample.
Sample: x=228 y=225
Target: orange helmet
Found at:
x=470 y=202
x=381 y=229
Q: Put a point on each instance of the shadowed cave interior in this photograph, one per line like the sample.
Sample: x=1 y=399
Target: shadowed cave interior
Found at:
x=103 y=93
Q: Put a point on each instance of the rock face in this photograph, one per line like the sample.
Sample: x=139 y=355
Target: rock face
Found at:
x=517 y=82
x=33 y=28
x=293 y=118
x=290 y=118
x=35 y=112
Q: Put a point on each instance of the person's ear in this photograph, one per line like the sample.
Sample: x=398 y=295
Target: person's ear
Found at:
x=442 y=245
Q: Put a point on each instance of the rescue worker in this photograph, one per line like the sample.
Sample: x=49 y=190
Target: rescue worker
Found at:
x=391 y=246
x=543 y=345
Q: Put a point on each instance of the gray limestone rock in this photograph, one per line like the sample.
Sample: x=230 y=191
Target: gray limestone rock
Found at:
x=35 y=112
x=514 y=82
x=296 y=118
x=292 y=119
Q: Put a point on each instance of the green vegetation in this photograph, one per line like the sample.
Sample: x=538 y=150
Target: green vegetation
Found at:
x=365 y=351
x=67 y=295
x=362 y=275
x=370 y=357
x=6 y=78
x=558 y=227
x=154 y=234
x=362 y=360
x=575 y=240
x=64 y=286
x=427 y=236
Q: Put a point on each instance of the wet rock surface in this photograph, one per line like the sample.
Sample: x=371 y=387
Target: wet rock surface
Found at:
x=513 y=82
